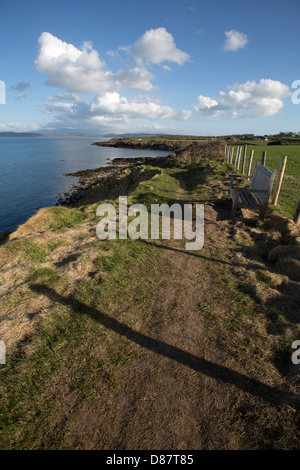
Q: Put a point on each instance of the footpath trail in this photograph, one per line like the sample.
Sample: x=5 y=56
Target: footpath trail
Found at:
x=197 y=383
x=145 y=345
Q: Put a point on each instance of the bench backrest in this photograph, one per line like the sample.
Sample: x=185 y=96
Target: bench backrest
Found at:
x=262 y=179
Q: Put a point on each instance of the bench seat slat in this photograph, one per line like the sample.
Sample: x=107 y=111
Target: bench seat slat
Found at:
x=247 y=199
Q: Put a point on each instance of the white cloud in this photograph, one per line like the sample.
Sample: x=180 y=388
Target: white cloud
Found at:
x=157 y=46
x=77 y=70
x=207 y=106
x=19 y=127
x=143 y=107
x=82 y=71
x=58 y=107
x=247 y=99
x=152 y=127
x=110 y=109
x=137 y=78
x=234 y=40
x=64 y=97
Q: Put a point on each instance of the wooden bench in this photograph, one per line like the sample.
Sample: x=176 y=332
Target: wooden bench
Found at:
x=256 y=196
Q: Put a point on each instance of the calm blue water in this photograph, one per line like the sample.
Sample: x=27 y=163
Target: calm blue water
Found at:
x=32 y=171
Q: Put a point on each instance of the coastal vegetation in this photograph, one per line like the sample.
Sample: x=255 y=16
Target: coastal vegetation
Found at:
x=139 y=344
x=163 y=142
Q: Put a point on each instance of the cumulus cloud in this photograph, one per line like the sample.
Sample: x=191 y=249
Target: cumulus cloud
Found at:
x=157 y=46
x=234 y=40
x=111 y=108
x=207 y=106
x=252 y=99
x=81 y=70
x=138 y=78
x=77 y=70
x=143 y=107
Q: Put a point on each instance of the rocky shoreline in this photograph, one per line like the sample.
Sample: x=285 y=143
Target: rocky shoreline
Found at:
x=189 y=154
x=91 y=177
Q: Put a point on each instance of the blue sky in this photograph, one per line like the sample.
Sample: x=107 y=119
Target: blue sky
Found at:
x=190 y=67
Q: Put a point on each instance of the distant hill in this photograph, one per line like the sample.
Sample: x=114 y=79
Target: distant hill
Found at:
x=47 y=134
x=19 y=134
x=129 y=135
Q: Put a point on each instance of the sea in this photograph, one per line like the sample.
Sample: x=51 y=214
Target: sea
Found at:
x=32 y=171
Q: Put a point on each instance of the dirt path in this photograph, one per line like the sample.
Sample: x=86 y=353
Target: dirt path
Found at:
x=187 y=390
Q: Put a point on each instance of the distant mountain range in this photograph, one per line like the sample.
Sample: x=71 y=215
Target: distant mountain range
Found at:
x=59 y=133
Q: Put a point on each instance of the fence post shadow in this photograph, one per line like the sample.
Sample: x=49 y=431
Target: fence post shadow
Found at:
x=216 y=371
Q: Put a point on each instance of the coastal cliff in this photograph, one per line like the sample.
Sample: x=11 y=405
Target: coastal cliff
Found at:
x=164 y=142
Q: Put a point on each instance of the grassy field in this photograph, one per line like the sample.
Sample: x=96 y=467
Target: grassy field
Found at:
x=290 y=190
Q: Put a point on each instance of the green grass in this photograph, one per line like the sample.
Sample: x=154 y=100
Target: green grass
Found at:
x=66 y=217
x=58 y=344
x=158 y=190
x=290 y=190
x=45 y=275
x=66 y=343
x=170 y=141
x=32 y=251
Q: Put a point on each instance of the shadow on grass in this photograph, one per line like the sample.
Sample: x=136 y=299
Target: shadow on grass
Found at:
x=216 y=371
x=191 y=253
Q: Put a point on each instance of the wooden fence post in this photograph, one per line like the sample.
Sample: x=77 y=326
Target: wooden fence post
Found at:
x=231 y=154
x=244 y=159
x=297 y=214
x=239 y=158
x=250 y=162
x=279 y=180
x=264 y=157
x=236 y=156
x=227 y=154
